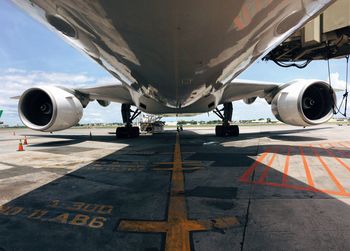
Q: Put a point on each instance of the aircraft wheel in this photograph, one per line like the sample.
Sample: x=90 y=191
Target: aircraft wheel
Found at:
x=219 y=129
x=135 y=132
x=121 y=133
x=235 y=130
x=127 y=132
x=223 y=131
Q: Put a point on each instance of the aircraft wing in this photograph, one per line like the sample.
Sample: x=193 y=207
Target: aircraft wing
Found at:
x=115 y=93
x=236 y=90
x=245 y=89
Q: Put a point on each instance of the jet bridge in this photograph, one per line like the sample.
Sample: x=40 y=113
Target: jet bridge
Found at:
x=326 y=36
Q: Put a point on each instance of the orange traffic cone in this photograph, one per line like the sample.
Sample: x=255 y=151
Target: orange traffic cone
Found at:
x=20 y=146
x=25 y=142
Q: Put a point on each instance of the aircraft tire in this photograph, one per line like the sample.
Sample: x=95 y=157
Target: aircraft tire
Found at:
x=219 y=129
x=127 y=132
x=235 y=130
x=224 y=131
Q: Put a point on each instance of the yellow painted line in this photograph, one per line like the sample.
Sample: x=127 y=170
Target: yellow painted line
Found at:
x=178 y=226
x=182 y=162
x=143 y=226
x=171 y=169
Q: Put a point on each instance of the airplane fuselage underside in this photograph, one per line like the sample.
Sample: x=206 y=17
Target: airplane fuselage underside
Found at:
x=174 y=56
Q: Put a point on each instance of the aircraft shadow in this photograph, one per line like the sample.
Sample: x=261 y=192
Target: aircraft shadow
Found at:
x=83 y=209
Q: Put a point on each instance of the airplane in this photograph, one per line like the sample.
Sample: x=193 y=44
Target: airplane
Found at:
x=175 y=58
x=1 y=111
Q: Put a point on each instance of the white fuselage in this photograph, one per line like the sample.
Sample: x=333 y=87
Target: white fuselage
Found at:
x=175 y=54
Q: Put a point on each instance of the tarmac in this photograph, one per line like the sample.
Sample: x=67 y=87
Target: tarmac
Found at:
x=271 y=188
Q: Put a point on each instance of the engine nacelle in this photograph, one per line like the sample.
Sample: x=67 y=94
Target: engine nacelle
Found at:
x=304 y=103
x=49 y=108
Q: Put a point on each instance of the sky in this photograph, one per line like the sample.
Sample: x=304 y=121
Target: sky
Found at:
x=31 y=55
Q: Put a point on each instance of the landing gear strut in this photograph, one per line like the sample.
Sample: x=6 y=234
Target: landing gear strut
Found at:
x=226 y=129
x=128 y=131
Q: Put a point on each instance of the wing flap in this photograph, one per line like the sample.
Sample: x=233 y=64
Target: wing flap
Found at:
x=243 y=89
x=114 y=93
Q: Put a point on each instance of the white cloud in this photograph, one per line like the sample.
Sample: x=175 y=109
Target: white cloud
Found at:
x=13 y=82
x=337 y=83
x=14 y=70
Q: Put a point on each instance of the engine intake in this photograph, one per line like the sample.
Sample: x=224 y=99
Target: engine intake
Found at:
x=49 y=109
x=304 y=103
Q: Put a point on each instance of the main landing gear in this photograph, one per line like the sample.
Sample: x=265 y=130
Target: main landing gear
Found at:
x=128 y=131
x=226 y=129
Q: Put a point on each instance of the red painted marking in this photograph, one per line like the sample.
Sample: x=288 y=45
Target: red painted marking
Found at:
x=258 y=5
x=332 y=192
x=342 y=144
x=248 y=173
x=331 y=144
x=310 y=181
x=330 y=153
x=286 y=167
x=246 y=16
x=334 y=179
x=311 y=186
x=342 y=152
x=238 y=23
x=302 y=188
x=268 y=166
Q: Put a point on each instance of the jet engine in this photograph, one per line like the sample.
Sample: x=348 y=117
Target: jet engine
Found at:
x=49 y=109
x=304 y=103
